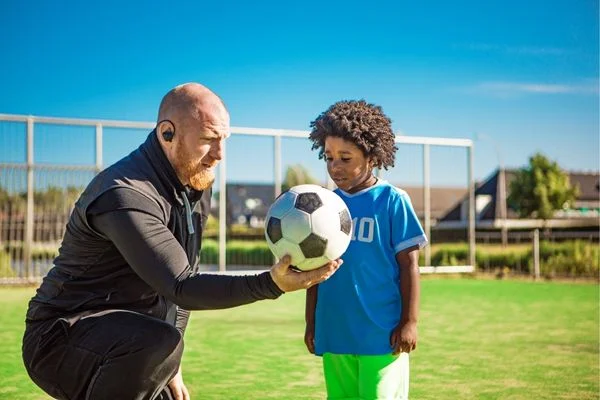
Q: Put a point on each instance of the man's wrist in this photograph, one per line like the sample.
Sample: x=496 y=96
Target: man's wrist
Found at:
x=273 y=285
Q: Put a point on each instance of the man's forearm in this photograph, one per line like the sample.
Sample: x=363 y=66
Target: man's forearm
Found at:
x=152 y=251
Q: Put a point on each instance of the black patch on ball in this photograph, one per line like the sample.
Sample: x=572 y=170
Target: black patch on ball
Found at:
x=308 y=202
x=313 y=246
x=274 y=229
x=345 y=222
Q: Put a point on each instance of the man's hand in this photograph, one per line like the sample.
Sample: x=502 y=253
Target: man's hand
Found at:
x=404 y=338
x=289 y=280
x=178 y=389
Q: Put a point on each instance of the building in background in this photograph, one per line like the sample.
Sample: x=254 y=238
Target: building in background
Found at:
x=583 y=217
x=248 y=203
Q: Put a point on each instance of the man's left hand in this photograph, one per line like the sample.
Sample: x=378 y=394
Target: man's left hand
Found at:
x=177 y=387
x=289 y=280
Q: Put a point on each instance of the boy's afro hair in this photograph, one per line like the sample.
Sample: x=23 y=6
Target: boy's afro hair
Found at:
x=360 y=122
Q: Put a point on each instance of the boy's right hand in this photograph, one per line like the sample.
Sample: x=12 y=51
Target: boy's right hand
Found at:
x=309 y=338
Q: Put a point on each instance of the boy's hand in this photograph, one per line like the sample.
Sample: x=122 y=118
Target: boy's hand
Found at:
x=289 y=280
x=309 y=338
x=404 y=338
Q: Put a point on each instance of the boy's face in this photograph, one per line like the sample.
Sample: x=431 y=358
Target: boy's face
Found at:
x=347 y=165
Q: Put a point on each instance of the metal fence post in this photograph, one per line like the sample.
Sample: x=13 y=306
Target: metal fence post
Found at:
x=426 y=201
x=277 y=164
x=536 y=254
x=223 y=211
x=470 y=151
x=99 y=153
x=28 y=245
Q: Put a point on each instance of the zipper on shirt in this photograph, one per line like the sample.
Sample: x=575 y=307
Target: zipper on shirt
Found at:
x=188 y=214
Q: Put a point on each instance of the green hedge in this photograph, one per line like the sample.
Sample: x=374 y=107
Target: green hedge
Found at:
x=572 y=258
x=575 y=258
x=237 y=252
x=38 y=251
x=5 y=265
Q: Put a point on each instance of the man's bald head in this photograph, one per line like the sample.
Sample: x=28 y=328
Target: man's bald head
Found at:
x=189 y=101
x=192 y=125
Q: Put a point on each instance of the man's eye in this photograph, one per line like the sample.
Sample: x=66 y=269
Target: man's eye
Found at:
x=346 y=159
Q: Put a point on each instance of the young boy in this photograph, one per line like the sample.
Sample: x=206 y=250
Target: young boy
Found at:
x=363 y=320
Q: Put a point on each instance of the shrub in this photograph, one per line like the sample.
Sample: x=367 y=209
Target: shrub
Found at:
x=573 y=259
x=237 y=252
x=6 y=270
x=576 y=258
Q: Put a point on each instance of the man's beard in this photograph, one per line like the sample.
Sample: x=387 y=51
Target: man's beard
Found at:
x=202 y=180
x=199 y=177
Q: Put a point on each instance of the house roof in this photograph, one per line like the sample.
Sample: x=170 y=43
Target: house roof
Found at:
x=441 y=198
x=588 y=184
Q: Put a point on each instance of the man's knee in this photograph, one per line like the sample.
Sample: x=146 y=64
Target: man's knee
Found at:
x=164 y=344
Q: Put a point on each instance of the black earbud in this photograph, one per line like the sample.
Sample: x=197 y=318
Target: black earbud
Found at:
x=168 y=136
x=169 y=131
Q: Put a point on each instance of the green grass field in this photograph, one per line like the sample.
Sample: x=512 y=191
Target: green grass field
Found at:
x=479 y=339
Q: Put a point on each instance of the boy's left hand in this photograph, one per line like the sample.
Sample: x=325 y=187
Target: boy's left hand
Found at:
x=404 y=338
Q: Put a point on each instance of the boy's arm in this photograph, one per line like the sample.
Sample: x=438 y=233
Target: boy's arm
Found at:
x=404 y=337
x=309 y=317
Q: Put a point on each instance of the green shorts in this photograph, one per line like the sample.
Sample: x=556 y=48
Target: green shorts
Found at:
x=366 y=377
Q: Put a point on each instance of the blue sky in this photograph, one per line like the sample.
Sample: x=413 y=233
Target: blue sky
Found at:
x=524 y=75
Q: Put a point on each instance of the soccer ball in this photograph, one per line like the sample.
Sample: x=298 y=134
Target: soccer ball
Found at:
x=311 y=224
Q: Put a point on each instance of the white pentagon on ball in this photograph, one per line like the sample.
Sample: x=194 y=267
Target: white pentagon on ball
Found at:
x=311 y=224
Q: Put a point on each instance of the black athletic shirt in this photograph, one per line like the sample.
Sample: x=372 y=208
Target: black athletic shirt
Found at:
x=132 y=242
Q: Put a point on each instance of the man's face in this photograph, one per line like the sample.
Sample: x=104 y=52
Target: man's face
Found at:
x=200 y=148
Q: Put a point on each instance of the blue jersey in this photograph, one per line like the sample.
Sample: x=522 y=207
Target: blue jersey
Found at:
x=360 y=305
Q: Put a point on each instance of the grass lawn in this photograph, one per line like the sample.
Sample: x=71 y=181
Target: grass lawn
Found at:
x=479 y=339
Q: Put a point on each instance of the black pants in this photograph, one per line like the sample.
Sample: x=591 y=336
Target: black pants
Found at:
x=120 y=355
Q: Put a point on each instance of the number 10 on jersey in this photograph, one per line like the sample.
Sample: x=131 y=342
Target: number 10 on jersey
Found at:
x=364 y=229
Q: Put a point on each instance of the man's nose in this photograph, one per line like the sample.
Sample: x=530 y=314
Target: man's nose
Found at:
x=217 y=150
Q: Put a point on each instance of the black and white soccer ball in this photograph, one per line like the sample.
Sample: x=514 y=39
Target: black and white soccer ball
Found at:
x=311 y=224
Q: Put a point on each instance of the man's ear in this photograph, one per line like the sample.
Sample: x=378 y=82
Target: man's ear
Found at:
x=166 y=130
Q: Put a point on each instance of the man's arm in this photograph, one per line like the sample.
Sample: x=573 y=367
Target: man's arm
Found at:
x=133 y=224
x=152 y=251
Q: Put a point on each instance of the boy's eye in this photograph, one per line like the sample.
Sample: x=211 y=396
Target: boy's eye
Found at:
x=328 y=159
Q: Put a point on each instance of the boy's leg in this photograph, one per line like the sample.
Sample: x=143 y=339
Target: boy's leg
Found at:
x=341 y=376
x=384 y=377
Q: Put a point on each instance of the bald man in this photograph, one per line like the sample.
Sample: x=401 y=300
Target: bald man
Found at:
x=108 y=320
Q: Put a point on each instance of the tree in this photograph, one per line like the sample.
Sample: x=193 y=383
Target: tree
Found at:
x=297 y=175
x=56 y=199
x=12 y=203
x=541 y=188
